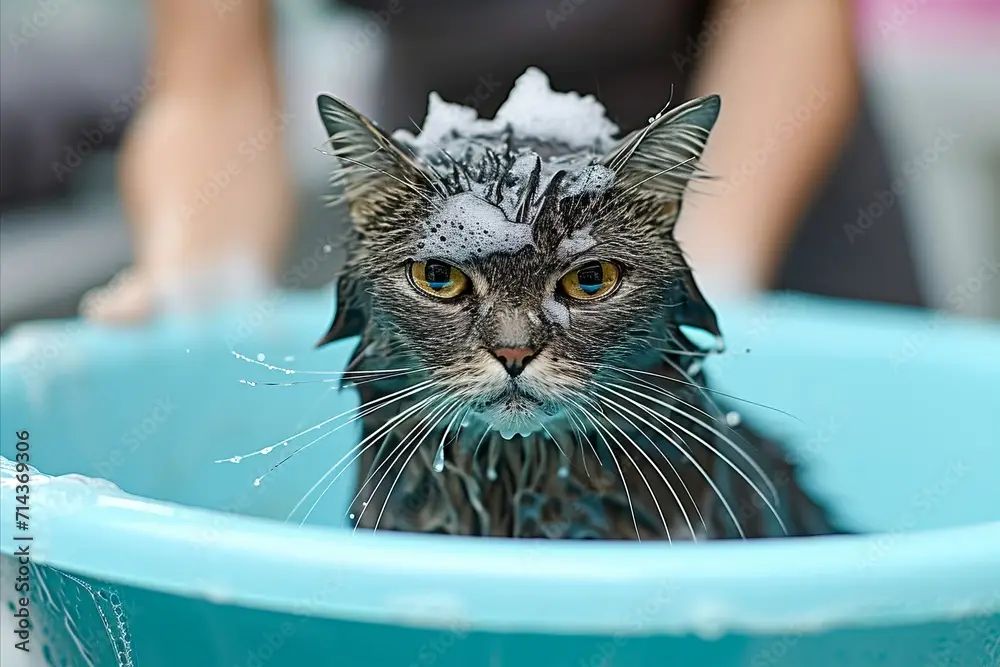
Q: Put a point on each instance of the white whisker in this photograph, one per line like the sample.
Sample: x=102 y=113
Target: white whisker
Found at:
x=362 y=446
x=292 y=371
x=628 y=495
x=373 y=469
x=749 y=459
x=563 y=469
x=618 y=409
x=643 y=477
x=365 y=410
x=687 y=383
x=413 y=451
x=686 y=454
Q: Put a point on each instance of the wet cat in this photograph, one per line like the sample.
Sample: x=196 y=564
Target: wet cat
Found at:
x=519 y=299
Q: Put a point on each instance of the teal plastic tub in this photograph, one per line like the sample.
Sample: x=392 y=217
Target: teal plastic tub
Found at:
x=178 y=561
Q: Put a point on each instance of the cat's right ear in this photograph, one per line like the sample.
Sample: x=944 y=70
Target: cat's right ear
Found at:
x=374 y=169
x=659 y=161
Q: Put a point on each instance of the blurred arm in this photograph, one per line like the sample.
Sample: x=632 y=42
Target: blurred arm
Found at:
x=203 y=173
x=209 y=43
x=788 y=78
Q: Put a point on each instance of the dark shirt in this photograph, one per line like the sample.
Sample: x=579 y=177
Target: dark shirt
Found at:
x=634 y=55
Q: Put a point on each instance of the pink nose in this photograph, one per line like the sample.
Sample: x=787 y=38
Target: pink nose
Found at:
x=514 y=359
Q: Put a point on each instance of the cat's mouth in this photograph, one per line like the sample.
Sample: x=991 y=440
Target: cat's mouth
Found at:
x=514 y=400
x=515 y=411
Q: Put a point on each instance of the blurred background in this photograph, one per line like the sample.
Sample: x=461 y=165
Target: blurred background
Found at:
x=910 y=213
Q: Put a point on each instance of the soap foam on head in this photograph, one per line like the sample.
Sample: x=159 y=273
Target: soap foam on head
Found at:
x=466 y=226
x=532 y=109
x=475 y=223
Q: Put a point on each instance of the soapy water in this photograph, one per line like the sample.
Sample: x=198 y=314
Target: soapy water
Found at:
x=74 y=621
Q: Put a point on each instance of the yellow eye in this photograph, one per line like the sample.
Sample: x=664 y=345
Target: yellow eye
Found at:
x=438 y=279
x=591 y=281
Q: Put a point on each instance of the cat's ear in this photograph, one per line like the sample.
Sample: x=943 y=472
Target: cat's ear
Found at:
x=658 y=161
x=692 y=310
x=656 y=164
x=374 y=169
x=352 y=312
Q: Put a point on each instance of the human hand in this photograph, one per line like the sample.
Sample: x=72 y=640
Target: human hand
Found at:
x=205 y=186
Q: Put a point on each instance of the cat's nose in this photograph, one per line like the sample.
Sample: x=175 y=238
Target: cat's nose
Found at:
x=514 y=359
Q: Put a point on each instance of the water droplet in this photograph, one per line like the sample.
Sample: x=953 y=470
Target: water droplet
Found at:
x=267 y=450
x=260 y=356
x=439 y=458
x=256 y=482
x=364 y=503
x=327 y=248
x=694 y=368
x=491 y=474
x=563 y=471
x=249 y=383
x=289 y=358
x=733 y=419
x=187 y=350
x=351 y=515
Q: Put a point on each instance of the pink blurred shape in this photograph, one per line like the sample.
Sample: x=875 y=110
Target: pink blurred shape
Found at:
x=938 y=20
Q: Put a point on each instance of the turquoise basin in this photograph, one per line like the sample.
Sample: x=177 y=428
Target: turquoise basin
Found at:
x=177 y=560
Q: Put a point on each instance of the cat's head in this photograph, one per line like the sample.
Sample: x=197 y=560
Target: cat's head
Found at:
x=517 y=264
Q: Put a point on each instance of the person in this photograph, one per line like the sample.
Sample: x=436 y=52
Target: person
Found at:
x=786 y=71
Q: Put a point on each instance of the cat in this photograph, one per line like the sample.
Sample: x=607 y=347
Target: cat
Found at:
x=526 y=360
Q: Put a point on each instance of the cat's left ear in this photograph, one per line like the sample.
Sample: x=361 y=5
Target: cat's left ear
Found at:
x=373 y=167
x=692 y=309
x=658 y=161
